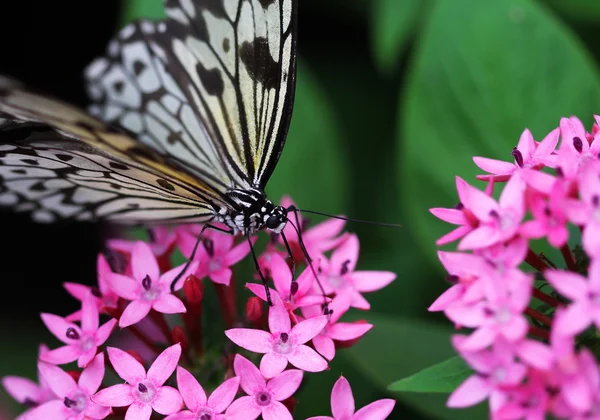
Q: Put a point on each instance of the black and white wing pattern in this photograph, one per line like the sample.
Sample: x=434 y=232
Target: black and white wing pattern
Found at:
x=212 y=86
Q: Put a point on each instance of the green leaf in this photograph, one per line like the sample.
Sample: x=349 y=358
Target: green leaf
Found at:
x=313 y=165
x=580 y=10
x=443 y=377
x=392 y=24
x=142 y=9
x=474 y=86
x=401 y=346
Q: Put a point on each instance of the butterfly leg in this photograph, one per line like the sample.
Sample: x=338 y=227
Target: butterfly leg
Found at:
x=294 y=285
x=260 y=273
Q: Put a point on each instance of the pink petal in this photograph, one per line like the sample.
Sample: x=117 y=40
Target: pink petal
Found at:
x=143 y=262
x=89 y=314
x=534 y=229
x=377 y=410
x=276 y=411
x=286 y=384
x=591 y=239
x=96 y=411
x=472 y=391
x=192 y=392
x=535 y=354
x=453 y=216
x=281 y=274
x=347 y=251
x=59 y=381
x=244 y=408
x=168 y=277
x=114 y=396
x=325 y=346
x=307 y=329
x=548 y=144
x=134 y=313
x=576 y=211
x=324 y=230
x=238 y=253
x=164 y=365
x=571 y=285
x=359 y=302
x=320 y=418
x=124 y=286
x=104 y=332
x=222 y=242
x=78 y=291
x=182 y=415
x=86 y=357
x=479 y=203
x=54 y=409
x=342 y=400
x=22 y=389
x=479 y=339
x=307 y=359
x=279 y=320
x=578 y=393
x=526 y=143
x=61 y=355
x=272 y=364
x=167 y=401
x=222 y=276
x=448 y=297
x=370 y=281
x=344 y=331
x=138 y=411
x=454 y=235
x=223 y=396
x=558 y=236
x=539 y=181
x=91 y=377
x=576 y=318
x=481 y=237
x=258 y=341
x=59 y=326
x=251 y=380
x=494 y=166
x=126 y=366
x=168 y=304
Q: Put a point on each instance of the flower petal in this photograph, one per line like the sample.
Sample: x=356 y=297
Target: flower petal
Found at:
x=472 y=391
x=342 y=400
x=54 y=409
x=258 y=341
x=138 y=411
x=344 y=331
x=237 y=253
x=279 y=320
x=286 y=384
x=307 y=359
x=143 y=262
x=377 y=410
x=272 y=364
x=104 y=331
x=347 y=251
x=223 y=396
x=168 y=304
x=244 y=408
x=167 y=401
x=22 y=389
x=192 y=392
x=164 y=365
x=325 y=346
x=569 y=284
x=134 y=313
x=494 y=166
x=61 y=355
x=309 y=328
x=124 y=286
x=114 y=396
x=59 y=381
x=222 y=276
x=281 y=274
x=91 y=377
x=276 y=411
x=573 y=320
x=182 y=415
x=59 y=326
x=126 y=366
x=168 y=277
x=370 y=281
x=89 y=314
x=251 y=380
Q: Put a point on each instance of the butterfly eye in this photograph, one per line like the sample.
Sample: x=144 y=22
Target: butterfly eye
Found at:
x=273 y=221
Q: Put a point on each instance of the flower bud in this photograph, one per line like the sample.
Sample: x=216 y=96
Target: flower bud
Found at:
x=178 y=336
x=193 y=289
x=254 y=309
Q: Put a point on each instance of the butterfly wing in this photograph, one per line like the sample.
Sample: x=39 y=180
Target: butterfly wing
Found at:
x=213 y=85
x=59 y=163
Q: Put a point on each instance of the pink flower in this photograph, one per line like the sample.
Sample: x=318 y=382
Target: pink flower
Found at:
x=162 y=241
x=195 y=398
x=215 y=254
x=72 y=398
x=577 y=146
x=324 y=342
x=147 y=289
x=585 y=295
x=498 y=221
x=81 y=343
x=527 y=154
x=284 y=344
x=142 y=392
x=528 y=401
x=338 y=276
x=103 y=295
x=342 y=405
x=549 y=217
x=264 y=397
x=282 y=278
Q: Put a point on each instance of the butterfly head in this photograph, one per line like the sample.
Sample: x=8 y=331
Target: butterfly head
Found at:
x=275 y=219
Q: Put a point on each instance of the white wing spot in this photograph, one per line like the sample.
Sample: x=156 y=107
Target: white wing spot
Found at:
x=90 y=174
x=127 y=31
x=42 y=216
x=189 y=8
x=8 y=199
x=147 y=27
x=133 y=121
x=97 y=67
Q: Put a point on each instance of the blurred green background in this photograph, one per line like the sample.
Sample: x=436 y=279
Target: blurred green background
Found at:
x=394 y=97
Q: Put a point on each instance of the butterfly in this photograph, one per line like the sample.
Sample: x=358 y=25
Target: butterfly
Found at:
x=188 y=120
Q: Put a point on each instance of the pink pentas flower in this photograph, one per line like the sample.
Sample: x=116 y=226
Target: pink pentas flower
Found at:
x=324 y=342
x=342 y=405
x=81 y=342
x=527 y=154
x=549 y=218
x=498 y=221
x=142 y=392
x=103 y=294
x=337 y=275
x=293 y=297
x=263 y=397
x=284 y=343
x=199 y=407
x=215 y=254
x=147 y=289
x=527 y=401
x=584 y=292
x=162 y=242
x=72 y=399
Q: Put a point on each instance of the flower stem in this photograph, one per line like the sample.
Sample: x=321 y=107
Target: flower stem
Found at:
x=543 y=334
x=545 y=297
x=539 y=316
x=227 y=301
x=161 y=323
x=144 y=339
x=569 y=257
x=535 y=261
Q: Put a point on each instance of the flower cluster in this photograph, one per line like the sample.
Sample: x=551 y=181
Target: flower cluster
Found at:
x=147 y=325
x=533 y=320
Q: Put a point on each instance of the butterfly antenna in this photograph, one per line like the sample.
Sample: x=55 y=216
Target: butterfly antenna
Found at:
x=189 y=261
x=368 y=222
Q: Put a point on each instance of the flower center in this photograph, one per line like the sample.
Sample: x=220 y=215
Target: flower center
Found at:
x=263 y=398
x=204 y=413
x=72 y=333
x=568 y=364
x=499 y=375
x=283 y=344
x=87 y=342
x=503 y=315
x=215 y=264
x=76 y=402
x=516 y=153
x=145 y=391
x=151 y=291
x=209 y=246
